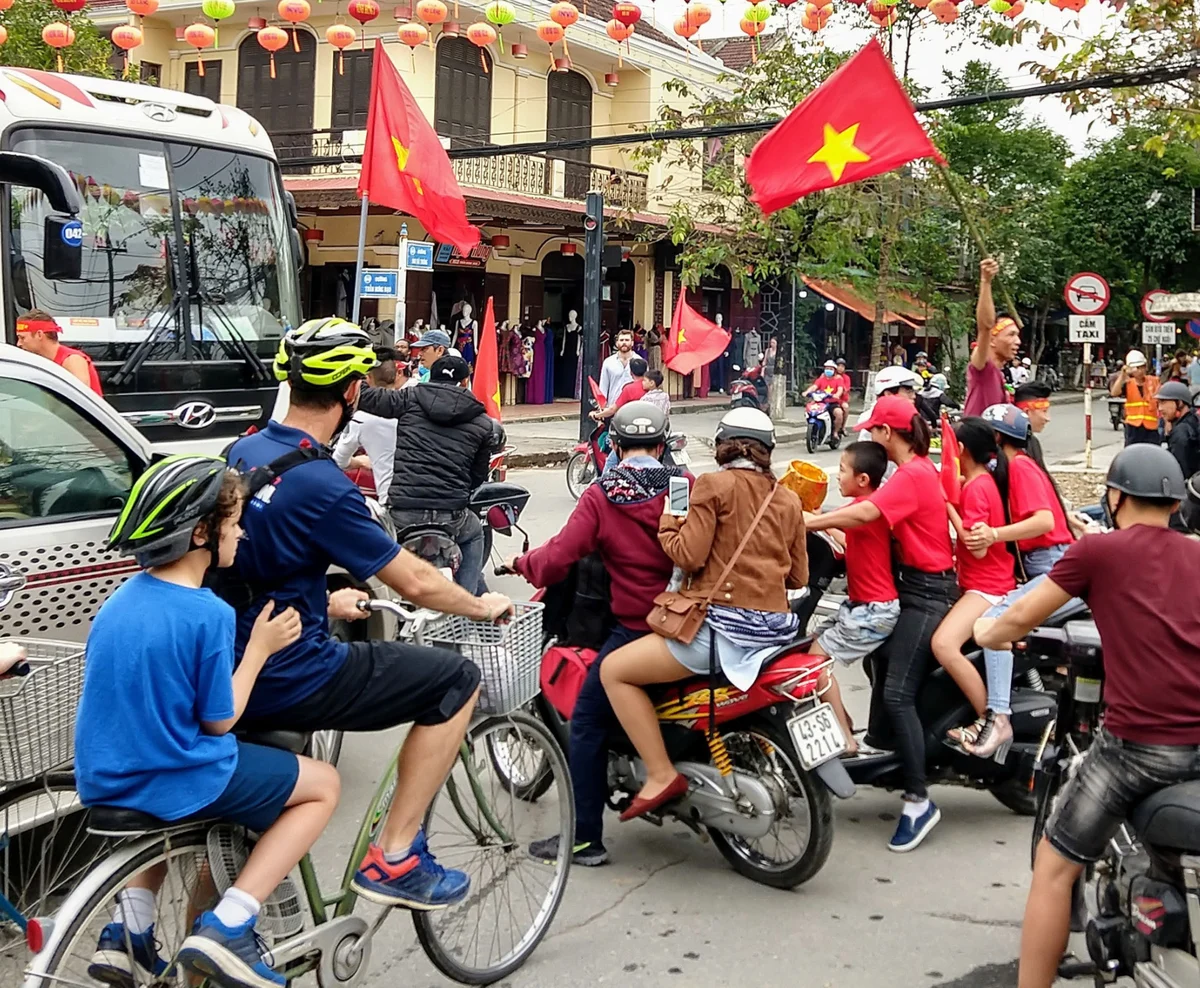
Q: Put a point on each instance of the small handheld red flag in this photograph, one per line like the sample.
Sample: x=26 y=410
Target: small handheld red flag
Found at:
x=858 y=123
x=597 y=394
x=950 y=476
x=693 y=340
x=486 y=383
x=404 y=164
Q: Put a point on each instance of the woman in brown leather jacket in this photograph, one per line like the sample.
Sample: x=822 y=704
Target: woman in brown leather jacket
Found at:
x=748 y=615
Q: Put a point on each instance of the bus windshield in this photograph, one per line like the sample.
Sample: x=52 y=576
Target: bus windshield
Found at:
x=188 y=276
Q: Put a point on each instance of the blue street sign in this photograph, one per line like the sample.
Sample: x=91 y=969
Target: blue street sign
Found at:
x=420 y=256
x=379 y=284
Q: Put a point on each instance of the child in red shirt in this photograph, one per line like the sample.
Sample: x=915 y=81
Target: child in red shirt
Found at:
x=869 y=614
x=985 y=575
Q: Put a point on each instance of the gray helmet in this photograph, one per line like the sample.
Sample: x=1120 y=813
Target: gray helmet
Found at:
x=638 y=424
x=1175 y=391
x=747 y=423
x=1147 y=471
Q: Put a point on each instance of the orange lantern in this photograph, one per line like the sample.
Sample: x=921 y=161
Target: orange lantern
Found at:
x=295 y=11
x=3 y=34
x=5 y=4
x=200 y=36
x=432 y=12
x=272 y=38
x=699 y=12
x=69 y=6
x=1016 y=10
x=920 y=3
x=685 y=27
x=412 y=34
x=564 y=14
x=58 y=35
x=815 y=17
x=945 y=11
x=550 y=33
x=883 y=14
x=618 y=32
x=363 y=11
x=627 y=13
x=125 y=37
x=143 y=8
x=481 y=34
x=341 y=37
x=751 y=28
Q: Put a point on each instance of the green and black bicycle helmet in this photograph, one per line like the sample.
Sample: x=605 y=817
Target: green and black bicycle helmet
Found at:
x=323 y=353
x=164 y=507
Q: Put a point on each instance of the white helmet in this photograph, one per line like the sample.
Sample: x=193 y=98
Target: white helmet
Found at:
x=1135 y=358
x=747 y=423
x=895 y=376
x=831 y=365
x=1027 y=362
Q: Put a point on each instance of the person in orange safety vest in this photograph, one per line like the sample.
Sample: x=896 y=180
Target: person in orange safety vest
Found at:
x=1141 y=408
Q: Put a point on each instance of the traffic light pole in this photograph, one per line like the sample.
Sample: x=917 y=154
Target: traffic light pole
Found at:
x=593 y=278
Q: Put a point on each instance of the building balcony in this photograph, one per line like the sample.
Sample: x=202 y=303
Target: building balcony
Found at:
x=339 y=152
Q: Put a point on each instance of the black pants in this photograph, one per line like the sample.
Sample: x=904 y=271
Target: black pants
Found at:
x=925 y=599
x=1140 y=434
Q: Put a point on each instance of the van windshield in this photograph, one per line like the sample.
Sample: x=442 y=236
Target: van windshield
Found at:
x=188 y=277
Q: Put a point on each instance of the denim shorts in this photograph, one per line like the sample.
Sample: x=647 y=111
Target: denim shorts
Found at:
x=858 y=629
x=1114 y=776
x=259 y=789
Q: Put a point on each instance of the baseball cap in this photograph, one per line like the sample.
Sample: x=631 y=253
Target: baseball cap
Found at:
x=432 y=337
x=895 y=411
x=449 y=370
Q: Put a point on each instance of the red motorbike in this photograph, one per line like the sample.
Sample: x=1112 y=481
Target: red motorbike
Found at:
x=586 y=462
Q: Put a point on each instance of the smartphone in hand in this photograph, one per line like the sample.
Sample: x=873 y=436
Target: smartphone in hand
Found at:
x=677 y=496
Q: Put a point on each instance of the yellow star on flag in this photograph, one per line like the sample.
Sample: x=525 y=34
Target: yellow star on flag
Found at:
x=402 y=163
x=682 y=339
x=838 y=150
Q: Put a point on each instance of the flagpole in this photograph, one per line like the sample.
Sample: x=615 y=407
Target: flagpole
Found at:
x=973 y=230
x=358 y=263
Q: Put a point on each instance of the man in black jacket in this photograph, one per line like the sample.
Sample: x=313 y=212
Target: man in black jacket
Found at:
x=444 y=440
x=1182 y=426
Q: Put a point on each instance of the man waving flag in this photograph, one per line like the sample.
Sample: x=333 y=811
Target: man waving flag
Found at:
x=857 y=124
x=404 y=164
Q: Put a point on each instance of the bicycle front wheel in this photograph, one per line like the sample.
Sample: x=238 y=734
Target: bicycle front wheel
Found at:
x=479 y=825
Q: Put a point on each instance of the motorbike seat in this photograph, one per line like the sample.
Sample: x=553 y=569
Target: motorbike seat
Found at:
x=1170 y=818
x=294 y=741
x=116 y=821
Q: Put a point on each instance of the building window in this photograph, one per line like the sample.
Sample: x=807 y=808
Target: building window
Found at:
x=283 y=105
x=352 y=92
x=207 y=85
x=151 y=73
x=568 y=116
x=462 y=105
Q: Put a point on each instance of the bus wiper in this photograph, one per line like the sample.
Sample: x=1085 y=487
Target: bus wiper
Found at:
x=236 y=346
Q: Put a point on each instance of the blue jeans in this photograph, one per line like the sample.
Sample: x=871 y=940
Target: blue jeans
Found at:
x=464 y=527
x=591 y=723
x=1038 y=563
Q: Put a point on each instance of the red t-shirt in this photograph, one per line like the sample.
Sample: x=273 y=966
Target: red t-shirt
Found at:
x=984 y=388
x=993 y=574
x=869 y=562
x=1030 y=491
x=845 y=380
x=1151 y=655
x=915 y=508
x=633 y=391
x=63 y=352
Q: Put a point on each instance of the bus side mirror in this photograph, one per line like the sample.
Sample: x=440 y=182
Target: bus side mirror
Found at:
x=62 y=248
x=298 y=253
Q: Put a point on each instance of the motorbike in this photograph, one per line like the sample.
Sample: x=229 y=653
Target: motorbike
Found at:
x=586 y=462
x=364 y=479
x=1116 y=411
x=819 y=411
x=1139 y=905
x=749 y=389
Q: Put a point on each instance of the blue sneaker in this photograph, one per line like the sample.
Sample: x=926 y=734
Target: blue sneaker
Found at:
x=909 y=832
x=126 y=959
x=232 y=958
x=417 y=882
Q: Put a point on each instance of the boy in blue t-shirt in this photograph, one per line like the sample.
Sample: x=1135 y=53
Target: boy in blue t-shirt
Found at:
x=160 y=696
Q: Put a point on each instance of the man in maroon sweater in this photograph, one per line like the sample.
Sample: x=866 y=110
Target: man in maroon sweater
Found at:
x=617 y=517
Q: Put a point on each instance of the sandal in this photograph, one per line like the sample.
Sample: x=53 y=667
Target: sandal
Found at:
x=967 y=735
x=995 y=739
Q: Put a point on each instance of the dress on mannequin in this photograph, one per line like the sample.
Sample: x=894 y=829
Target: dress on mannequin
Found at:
x=567 y=368
x=466 y=334
x=540 y=389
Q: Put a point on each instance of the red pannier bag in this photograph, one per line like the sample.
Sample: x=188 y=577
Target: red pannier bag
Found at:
x=564 y=668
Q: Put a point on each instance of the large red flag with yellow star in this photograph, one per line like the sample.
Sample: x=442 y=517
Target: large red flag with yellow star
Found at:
x=485 y=385
x=404 y=164
x=859 y=122
x=692 y=340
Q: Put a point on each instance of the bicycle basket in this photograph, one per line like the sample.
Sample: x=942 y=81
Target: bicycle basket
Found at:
x=281 y=915
x=509 y=656
x=37 y=711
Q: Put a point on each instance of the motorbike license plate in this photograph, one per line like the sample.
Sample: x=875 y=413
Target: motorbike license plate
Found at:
x=681 y=458
x=817 y=735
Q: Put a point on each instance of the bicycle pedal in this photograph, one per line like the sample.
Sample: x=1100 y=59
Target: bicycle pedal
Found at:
x=1072 y=967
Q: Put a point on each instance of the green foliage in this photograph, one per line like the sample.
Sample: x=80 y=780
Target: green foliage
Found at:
x=25 y=19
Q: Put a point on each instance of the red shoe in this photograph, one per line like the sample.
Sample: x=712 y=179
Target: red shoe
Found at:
x=640 y=807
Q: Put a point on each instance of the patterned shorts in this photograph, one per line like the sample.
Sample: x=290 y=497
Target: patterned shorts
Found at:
x=858 y=629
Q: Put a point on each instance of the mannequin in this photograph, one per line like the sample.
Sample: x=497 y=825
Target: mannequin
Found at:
x=416 y=330
x=541 y=384
x=466 y=334
x=567 y=368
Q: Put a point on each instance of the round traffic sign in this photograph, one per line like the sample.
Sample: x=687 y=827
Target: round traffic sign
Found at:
x=1148 y=300
x=1193 y=327
x=1087 y=294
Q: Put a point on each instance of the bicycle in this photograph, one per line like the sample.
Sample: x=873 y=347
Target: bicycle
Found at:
x=44 y=846
x=472 y=824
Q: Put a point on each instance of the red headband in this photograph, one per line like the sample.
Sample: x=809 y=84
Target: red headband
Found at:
x=37 y=326
x=1035 y=403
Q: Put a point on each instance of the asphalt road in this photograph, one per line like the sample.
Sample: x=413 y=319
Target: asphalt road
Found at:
x=668 y=907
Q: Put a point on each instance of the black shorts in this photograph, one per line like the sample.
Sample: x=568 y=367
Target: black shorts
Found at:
x=382 y=685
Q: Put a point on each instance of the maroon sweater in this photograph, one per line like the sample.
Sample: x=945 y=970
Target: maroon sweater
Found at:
x=617 y=516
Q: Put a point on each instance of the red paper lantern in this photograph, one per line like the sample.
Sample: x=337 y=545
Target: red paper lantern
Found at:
x=143 y=8
x=69 y=6
x=519 y=51
x=450 y=29
x=272 y=38
x=1015 y=11
x=125 y=37
x=363 y=11
x=550 y=32
x=627 y=13
x=567 y=249
x=562 y=65
x=611 y=79
x=5 y=4
x=787 y=3
x=58 y=35
x=295 y=11
x=256 y=23
x=341 y=36
x=500 y=241
x=200 y=36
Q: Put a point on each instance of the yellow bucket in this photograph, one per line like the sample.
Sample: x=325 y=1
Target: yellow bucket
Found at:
x=808 y=482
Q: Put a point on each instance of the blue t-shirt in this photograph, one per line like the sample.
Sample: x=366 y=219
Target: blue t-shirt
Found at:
x=159 y=661
x=312 y=518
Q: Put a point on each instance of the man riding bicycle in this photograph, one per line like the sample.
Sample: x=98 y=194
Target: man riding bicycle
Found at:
x=303 y=516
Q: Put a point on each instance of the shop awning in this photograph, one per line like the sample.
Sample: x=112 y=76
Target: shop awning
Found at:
x=844 y=295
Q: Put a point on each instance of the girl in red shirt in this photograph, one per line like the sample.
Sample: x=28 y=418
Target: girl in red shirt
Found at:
x=912 y=504
x=984 y=575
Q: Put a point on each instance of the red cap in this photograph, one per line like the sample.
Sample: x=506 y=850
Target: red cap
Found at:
x=892 y=410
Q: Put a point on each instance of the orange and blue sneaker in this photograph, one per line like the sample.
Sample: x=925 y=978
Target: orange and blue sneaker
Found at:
x=418 y=882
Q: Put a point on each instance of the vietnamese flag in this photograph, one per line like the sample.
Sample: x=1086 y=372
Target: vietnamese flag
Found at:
x=404 y=165
x=485 y=385
x=858 y=123
x=951 y=464
x=693 y=341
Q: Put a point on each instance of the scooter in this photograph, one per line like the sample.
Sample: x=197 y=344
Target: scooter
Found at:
x=749 y=390
x=586 y=462
x=1116 y=411
x=820 y=422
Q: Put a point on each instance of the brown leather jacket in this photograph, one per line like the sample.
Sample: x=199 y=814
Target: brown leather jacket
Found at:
x=723 y=504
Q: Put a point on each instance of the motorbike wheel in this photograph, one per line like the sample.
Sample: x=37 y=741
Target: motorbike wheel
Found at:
x=834 y=441
x=581 y=471
x=520 y=772
x=1016 y=795
x=811 y=441
x=765 y=750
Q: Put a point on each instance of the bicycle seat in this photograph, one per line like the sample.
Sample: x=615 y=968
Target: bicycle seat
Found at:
x=293 y=741
x=116 y=821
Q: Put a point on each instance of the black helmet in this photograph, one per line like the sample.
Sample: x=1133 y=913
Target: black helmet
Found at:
x=1175 y=391
x=164 y=506
x=1147 y=471
x=747 y=423
x=638 y=424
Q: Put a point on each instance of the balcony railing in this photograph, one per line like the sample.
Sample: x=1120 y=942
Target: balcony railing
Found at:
x=330 y=152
